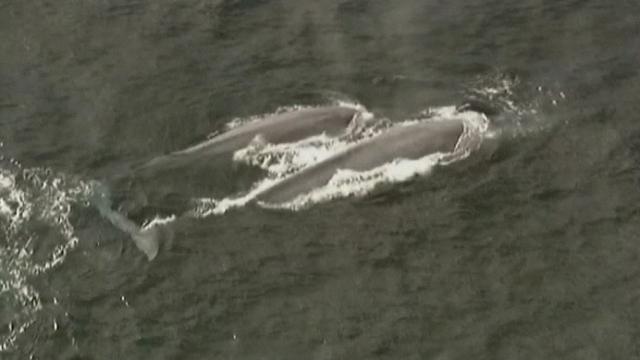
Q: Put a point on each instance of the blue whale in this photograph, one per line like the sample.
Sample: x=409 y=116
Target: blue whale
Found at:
x=400 y=142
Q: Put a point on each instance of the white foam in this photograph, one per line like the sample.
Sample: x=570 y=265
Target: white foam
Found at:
x=158 y=221
x=205 y=207
x=283 y=159
x=28 y=196
x=501 y=92
x=520 y=105
x=6 y=180
x=14 y=207
x=346 y=183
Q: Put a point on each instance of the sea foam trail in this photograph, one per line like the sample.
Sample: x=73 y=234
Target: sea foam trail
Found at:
x=520 y=105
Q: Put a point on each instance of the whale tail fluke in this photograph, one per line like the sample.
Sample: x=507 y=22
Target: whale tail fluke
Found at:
x=146 y=239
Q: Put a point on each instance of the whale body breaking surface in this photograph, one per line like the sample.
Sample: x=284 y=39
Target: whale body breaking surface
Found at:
x=285 y=127
x=406 y=142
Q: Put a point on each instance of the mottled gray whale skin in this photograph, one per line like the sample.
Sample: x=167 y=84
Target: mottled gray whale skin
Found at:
x=406 y=142
x=280 y=128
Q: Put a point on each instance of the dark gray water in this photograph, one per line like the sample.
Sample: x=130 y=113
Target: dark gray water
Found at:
x=528 y=249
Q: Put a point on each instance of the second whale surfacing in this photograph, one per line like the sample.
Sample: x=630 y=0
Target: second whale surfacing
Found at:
x=409 y=142
x=285 y=127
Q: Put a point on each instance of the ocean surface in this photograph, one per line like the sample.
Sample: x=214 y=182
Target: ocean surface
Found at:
x=528 y=247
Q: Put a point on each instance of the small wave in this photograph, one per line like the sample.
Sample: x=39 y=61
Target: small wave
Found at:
x=519 y=104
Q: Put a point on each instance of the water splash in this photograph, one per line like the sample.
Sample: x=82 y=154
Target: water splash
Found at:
x=520 y=106
x=30 y=199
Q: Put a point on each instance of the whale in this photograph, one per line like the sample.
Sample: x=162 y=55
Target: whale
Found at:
x=287 y=127
x=409 y=142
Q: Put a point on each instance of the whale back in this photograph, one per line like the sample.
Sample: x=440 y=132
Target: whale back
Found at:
x=297 y=125
x=406 y=142
x=290 y=126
